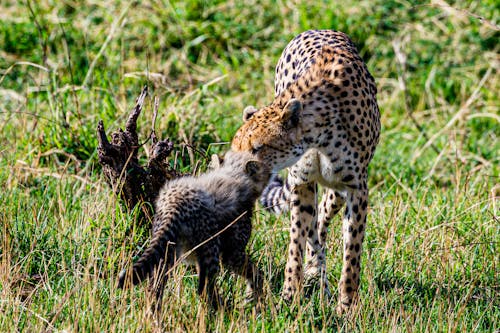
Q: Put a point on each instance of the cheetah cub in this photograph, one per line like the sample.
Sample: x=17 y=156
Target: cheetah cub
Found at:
x=205 y=219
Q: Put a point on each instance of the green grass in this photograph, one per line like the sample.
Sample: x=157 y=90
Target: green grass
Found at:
x=431 y=259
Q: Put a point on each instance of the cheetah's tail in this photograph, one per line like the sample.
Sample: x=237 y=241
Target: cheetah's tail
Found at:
x=160 y=248
x=276 y=195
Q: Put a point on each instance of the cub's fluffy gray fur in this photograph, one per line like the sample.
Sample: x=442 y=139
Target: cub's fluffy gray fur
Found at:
x=190 y=214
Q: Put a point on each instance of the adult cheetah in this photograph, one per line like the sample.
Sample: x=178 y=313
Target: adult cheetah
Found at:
x=323 y=124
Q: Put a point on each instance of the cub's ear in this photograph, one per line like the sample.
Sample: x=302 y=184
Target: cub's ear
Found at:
x=215 y=162
x=291 y=112
x=252 y=167
x=248 y=112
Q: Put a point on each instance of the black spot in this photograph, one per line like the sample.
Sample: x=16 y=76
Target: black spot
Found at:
x=347 y=178
x=364 y=205
x=309 y=209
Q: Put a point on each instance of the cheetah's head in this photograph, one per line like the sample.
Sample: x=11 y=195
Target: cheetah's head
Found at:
x=273 y=134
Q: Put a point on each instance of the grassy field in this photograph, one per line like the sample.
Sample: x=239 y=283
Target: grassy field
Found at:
x=431 y=261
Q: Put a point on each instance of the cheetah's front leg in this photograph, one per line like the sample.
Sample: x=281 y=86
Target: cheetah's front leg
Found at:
x=303 y=215
x=315 y=270
x=353 y=230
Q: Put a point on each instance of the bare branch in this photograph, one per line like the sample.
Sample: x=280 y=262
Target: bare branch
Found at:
x=131 y=125
x=155 y=114
x=134 y=183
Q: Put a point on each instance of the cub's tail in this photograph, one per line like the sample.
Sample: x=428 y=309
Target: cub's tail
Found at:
x=276 y=196
x=162 y=247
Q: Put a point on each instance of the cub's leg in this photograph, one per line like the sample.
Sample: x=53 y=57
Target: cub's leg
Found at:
x=234 y=256
x=159 y=278
x=240 y=263
x=353 y=232
x=208 y=268
x=303 y=220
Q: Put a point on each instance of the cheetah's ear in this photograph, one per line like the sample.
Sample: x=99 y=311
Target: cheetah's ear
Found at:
x=248 y=112
x=291 y=112
x=252 y=168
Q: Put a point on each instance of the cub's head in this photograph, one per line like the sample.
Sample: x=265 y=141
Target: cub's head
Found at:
x=273 y=134
x=244 y=165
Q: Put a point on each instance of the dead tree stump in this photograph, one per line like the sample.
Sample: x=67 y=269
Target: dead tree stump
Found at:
x=132 y=182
